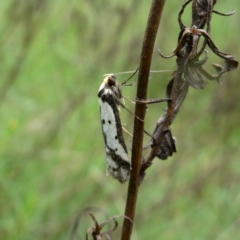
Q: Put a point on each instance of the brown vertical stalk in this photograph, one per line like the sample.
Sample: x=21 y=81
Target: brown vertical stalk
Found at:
x=143 y=77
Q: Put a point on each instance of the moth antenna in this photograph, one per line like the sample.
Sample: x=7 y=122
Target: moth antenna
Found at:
x=151 y=71
x=126 y=131
x=107 y=74
x=118 y=73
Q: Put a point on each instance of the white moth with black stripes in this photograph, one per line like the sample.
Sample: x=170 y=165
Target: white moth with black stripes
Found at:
x=109 y=97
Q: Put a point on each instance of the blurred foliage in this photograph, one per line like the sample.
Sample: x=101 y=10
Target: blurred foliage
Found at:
x=52 y=160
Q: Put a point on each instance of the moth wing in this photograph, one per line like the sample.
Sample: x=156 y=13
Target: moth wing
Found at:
x=109 y=127
x=118 y=164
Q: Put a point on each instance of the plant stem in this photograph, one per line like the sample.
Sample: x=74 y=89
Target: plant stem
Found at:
x=140 y=110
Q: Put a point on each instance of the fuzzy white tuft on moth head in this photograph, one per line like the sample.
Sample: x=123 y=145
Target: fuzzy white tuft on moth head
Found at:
x=109 y=97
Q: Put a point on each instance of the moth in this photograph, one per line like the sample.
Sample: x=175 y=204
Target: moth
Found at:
x=109 y=98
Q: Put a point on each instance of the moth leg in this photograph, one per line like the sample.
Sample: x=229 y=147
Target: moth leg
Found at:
x=151 y=136
x=129 y=84
x=123 y=84
x=123 y=106
x=133 y=114
x=153 y=100
x=126 y=131
x=129 y=100
x=118 y=101
x=150 y=143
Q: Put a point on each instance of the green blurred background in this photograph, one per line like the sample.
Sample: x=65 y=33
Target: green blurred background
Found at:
x=52 y=160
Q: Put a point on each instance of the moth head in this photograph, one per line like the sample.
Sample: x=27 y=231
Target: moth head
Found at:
x=110 y=80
